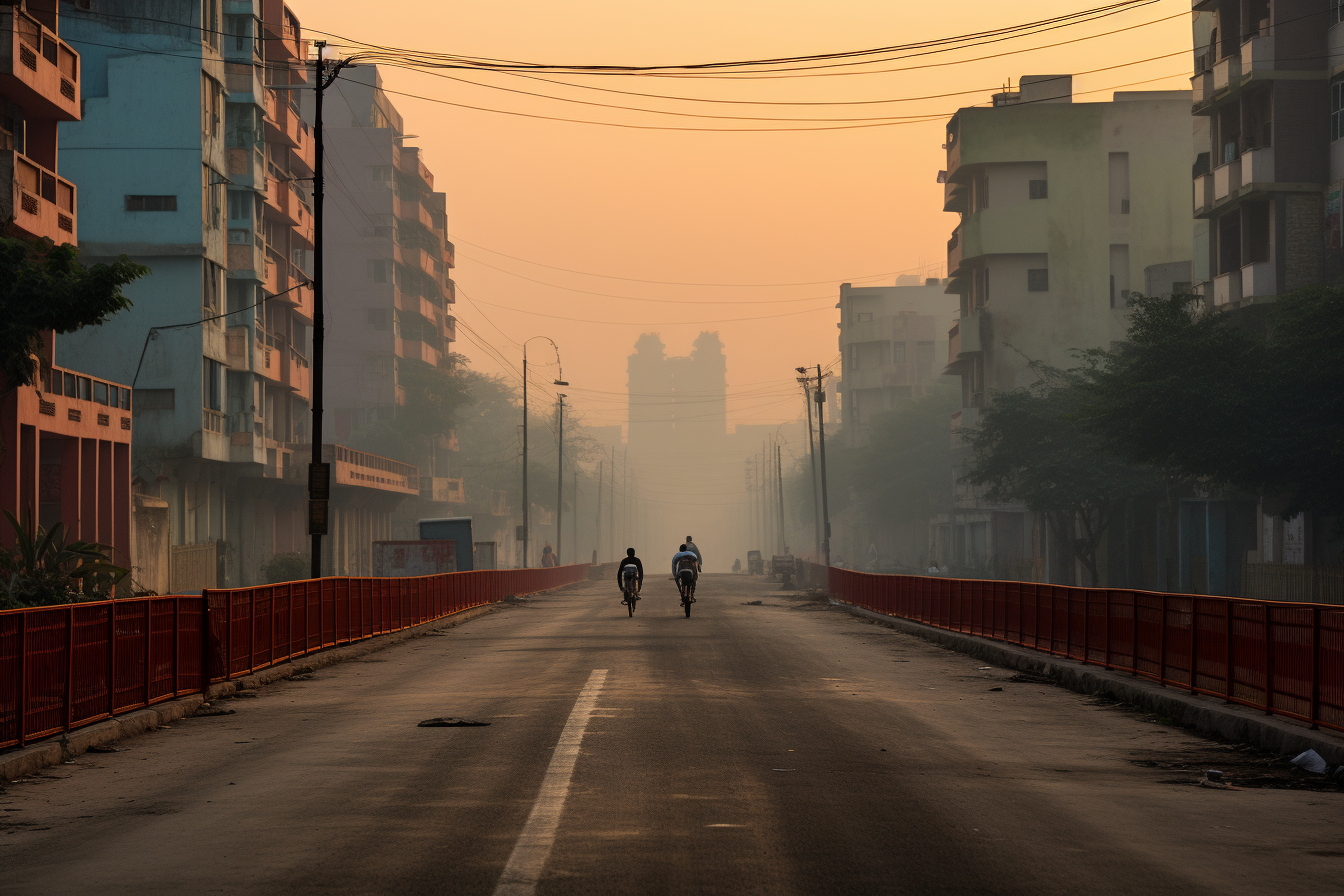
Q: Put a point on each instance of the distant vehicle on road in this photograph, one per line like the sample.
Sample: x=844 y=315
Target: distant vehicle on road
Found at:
x=755 y=565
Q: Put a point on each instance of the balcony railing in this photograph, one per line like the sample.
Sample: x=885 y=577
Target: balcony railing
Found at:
x=39 y=202
x=42 y=70
x=364 y=470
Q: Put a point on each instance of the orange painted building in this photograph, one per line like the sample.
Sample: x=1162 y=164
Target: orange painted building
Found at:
x=66 y=450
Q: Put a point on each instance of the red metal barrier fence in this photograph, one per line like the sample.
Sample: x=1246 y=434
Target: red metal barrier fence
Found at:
x=1284 y=658
x=65 y=666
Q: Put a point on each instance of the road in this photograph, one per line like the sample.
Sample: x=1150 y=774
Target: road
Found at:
x=783 y=747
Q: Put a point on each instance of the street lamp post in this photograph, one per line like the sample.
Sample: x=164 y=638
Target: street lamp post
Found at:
x=559 y=478
x=812 y=454
x=527 y=507
x=821 y=440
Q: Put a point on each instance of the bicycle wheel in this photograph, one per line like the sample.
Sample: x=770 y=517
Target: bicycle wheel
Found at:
x=630 y=603
x=686 y=602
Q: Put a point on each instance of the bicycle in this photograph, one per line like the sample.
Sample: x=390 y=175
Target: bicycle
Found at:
x=686 y=587
x=629 y=591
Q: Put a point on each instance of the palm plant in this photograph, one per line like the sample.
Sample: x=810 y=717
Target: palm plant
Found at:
x=43 y=568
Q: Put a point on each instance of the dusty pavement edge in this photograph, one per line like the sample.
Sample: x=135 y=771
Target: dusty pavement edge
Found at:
x=62 y=748
x=1208 y=716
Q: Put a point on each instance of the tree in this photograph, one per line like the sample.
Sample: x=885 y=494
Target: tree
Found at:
x=1252 y=403
x=1034 y=447
x=44 y=287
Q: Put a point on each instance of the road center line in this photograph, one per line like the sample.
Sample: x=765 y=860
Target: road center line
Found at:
x=533 y=848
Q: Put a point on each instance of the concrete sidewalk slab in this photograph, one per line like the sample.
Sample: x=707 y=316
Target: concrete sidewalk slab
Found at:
x=1208 y=716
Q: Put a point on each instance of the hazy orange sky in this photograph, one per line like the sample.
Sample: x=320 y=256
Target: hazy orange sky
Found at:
x=808 y=210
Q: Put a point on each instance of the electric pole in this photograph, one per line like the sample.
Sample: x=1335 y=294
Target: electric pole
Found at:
x=560 y=476
x=821 y=439
x=779 y=475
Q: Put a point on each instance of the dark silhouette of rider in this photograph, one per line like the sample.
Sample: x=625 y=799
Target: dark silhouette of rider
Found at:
x=631 y=560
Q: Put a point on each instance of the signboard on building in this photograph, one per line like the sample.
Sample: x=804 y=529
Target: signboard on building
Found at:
x=394 y=559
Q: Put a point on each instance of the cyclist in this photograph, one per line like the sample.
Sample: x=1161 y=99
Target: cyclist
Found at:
x=685 y=559
x=630 y=567
x=691 y=546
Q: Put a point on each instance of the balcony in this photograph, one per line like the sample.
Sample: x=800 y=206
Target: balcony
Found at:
x=302 y=154
x=409 y=161
x=450 y=327
x=1257 y=165
x=1226 y=73
x=280 y=203
x=245 y=254
x=73 y=404
x=1203 y=194
x=955 y=196
x=362 y=470
x=1201 y=87
x=1227 y=289
x=40 y=203
x=280 y=122
x=449 y=291
x=38 y=70
x=442 y=489
x=964 y=423
x=954 y=252
x=283 y=44
x=1226 y=179
x=1259 y=280
x=954 y=343
x=973 y=333
x=1257 y=54
x=449 y=254
x=296 y=373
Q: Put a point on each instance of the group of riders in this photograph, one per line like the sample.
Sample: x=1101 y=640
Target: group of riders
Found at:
x=686 y=565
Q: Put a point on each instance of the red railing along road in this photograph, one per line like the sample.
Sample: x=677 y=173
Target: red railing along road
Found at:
x=1283 y=658
x=65 y=666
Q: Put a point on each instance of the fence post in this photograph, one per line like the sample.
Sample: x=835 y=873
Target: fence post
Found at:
x=23 y=678
x=1106 y=630
x=111 y=658
x=252 y=628
x=1162 y=646
x=1269 y=664
x=205 y=641
x=1194 y=642
x=1231 y=678
x=1134 y=636
x=149 y=646
x=69 y=665
x=1315 y=667
x=177 y=645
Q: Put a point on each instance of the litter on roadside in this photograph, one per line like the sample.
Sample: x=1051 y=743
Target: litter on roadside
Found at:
x=1311 y=761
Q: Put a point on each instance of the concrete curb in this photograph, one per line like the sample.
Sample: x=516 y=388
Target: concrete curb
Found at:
x=1208 y=716
x=57 y=749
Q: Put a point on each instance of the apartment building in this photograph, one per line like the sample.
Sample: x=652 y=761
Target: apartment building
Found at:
x=1262 y=85
x=66 y=453
x=1268 y=86
x=1064 y=209
x=893 y=343
x=203 y=165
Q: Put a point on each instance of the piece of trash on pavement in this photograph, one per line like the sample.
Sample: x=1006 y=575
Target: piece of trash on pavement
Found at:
x=996 y=689
x=1214 y=775
x=452 y=722
x=1311 y=761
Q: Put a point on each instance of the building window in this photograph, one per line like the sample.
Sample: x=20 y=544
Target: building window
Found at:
x=1336 y=11
x=151 y=203
x=378 y=270
x=1038 y=280
x=898 y=352
x=863 y=317
x=378 y=318
x=155 y=400
x=853 y=357
x=380 y=173
x=210 y=23
x=1337 y=108
x=1038 y=189
x=211 y=390
x=212 y=279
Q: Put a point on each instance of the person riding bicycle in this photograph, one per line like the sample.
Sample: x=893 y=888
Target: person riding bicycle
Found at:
x=691 y=546
x=630 y=567
x=685 y=559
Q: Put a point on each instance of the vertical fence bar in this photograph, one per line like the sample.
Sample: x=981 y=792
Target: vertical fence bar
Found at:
x=69 y=665
x=149 y=647
x=23 y=678
x=177 y=645
x=111 y=658
x=1134 y=636
x=1315 y=667
x=1162 y=646
x=1194 y=642
x=1106 y=631
x=1269 y=662
x=1230 y=676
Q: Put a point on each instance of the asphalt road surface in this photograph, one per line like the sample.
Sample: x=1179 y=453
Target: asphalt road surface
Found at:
x=776 y=748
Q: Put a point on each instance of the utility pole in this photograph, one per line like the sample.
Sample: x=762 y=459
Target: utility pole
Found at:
x=626 y=509
x=559 y=381
x=611 y=510
x=597 y=539
x=821 y=439
x=779 y=475
x=560 y=476
x=812 y=454
x=319 y=473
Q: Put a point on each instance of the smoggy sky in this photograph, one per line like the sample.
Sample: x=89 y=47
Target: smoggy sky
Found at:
x=784 y=217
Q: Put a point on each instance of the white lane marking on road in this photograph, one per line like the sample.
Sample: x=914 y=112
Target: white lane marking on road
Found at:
x=523 y=870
